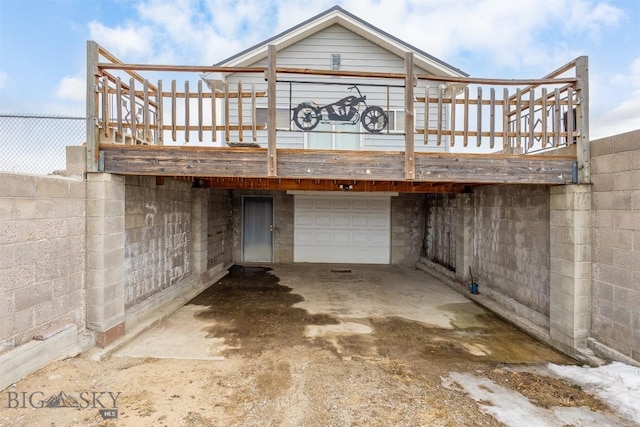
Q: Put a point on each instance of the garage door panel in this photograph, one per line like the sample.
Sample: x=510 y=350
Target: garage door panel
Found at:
x=358 y=222
x=323 y=220
x=379 y=240
x=379 y=205
x=342 y=220
x=304 y=220
x=379 y=221
x=303 y=203
x=341 y=238
x=322 y=204
x=361 y=238
x=342 y=229
x=303 y=237
x=360 y=204
x=341 y=204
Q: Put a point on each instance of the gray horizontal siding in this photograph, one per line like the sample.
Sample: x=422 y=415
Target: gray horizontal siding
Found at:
x=357 y=54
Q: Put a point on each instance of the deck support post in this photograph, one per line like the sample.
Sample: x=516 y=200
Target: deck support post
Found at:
x=570 y=272
x=409 y=157
x=92 y=106
x=105 y=259
x=272 y=161
x=582 y=120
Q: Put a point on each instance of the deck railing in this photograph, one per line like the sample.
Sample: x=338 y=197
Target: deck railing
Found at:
x=519 y=116
x=460 y=114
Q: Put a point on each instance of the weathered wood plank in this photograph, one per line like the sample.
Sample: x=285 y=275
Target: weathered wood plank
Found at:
x=272 y=165
x=142 y=161
x=341 y=165
x=186 y=112
x=353 y=165
x=200 y=111
x=488 y=170
x=145 y=112
x=92 y=104
x=132 y=111
x=409 y=158
x=160 y=123
x=240 y=133
x=582 y=111
x=173 y=111
x=119 y=130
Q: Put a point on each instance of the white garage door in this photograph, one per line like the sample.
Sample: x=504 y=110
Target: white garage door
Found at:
x=342 y=229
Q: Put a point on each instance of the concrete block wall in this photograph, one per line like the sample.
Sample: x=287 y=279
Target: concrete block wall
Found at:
x=407 y=225
x=570 y=279
x=220 y=233
x=440 y=238
x=511 y=242
x=502 y=233
x=157 y=235
x=42 y=256
x=105 y=255
x=615 y=172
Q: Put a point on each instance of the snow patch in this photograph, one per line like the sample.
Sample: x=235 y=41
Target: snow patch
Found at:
x=617 y=384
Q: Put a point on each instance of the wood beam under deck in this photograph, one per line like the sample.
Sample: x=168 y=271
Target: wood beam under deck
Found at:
x=439 y=168
x=324 y=185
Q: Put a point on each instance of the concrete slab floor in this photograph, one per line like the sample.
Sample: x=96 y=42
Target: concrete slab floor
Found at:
x=333 y=303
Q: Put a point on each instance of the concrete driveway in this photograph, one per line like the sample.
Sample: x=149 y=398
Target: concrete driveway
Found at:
x=321 y=345
x=338 y=304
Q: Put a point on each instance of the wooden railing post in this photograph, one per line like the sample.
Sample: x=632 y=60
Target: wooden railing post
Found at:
x=93 y=146
x=272 y=162
x=582 y=115
x=409 y=157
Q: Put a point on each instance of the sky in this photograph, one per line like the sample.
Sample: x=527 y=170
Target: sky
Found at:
x=43 y=42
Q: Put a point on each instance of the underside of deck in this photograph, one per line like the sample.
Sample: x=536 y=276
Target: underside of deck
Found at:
x=216 y=167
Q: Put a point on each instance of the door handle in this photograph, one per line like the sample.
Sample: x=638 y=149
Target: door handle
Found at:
x=271 y=228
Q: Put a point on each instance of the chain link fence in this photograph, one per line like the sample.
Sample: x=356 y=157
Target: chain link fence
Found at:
x=35 y=144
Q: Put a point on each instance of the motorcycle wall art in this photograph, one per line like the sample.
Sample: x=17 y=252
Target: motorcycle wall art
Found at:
x=308 y=114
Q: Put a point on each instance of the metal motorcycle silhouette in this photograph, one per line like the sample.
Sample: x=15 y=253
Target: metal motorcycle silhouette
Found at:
x=307 y=115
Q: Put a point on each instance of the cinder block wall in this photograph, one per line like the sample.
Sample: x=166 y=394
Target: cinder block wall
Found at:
x=615 y=169
x=440 y=234
x=511 y=242
x=157 y=235
x=407 y=225
x=220 y=233
x=510 y=236
x=42 y=255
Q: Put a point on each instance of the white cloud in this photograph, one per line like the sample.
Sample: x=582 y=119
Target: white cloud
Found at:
x=487 y=38
x=72 y=88
x=625 y=116
x=129 y=42
x=504 y=33
x=515 y=34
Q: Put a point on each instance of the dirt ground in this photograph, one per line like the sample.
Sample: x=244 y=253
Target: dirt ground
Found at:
x=273 y=374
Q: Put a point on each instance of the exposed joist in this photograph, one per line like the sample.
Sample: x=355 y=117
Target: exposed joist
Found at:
x=327 y=185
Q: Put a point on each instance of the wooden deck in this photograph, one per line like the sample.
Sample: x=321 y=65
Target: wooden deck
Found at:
x=133 y=127
x=328 y=170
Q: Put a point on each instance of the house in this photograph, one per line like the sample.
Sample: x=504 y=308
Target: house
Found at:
x=320 y=181
x=348 y=227
x=182 y=181
x=336 y=40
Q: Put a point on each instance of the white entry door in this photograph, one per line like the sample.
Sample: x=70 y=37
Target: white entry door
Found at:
x=342 y=229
